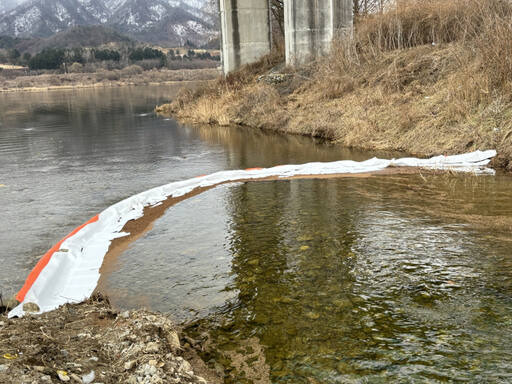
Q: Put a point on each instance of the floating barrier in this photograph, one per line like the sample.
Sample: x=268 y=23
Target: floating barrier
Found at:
x=69 y=271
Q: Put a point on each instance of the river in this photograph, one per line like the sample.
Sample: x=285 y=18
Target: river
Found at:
x=397 y=278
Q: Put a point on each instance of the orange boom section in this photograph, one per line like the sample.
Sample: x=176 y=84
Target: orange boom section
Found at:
x=34 y=274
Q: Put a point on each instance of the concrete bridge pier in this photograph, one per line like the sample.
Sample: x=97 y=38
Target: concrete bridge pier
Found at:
x=311 y=26
x=246 y=34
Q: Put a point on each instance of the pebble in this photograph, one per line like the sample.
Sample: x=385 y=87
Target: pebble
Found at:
x=152 y=347
x=125 y=314
x=149 y=370
x=2 y=323
x=343 y=368
x=173 y=340
x=185 y=366
x=46 y=378
x=63 y=376
x=3 y=367
x=89 y=378
x=129 y=365
x=76 y=378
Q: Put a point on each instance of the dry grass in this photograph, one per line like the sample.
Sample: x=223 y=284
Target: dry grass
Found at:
x=425 y=77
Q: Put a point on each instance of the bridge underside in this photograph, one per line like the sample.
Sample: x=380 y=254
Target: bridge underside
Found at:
x=310 y=28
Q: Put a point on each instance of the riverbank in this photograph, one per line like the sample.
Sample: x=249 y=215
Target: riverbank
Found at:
x=425 y=79
x=130 y=76
x=92 y=342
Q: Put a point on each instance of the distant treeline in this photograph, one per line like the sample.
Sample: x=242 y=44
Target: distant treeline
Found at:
x=57 y=58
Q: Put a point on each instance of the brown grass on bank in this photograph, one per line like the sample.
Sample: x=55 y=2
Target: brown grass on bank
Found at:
x=426 y=77
x=477 y=31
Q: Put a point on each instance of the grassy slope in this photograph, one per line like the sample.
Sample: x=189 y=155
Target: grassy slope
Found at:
x=427 y=77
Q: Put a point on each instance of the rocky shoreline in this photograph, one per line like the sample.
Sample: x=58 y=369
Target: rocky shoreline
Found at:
x=91 y=342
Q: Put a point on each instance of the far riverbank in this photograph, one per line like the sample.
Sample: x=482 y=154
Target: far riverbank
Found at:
x=117 y=78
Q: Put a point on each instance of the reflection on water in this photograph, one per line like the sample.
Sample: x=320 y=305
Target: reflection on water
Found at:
x=380 y=279
x=65 y=156
x=387 y=279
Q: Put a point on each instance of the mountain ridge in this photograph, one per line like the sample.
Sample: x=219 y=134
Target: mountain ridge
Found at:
x=166 y=22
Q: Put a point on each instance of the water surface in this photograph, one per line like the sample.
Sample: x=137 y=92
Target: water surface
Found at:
x=398 y=278
x=404 y=278
x=67 y=155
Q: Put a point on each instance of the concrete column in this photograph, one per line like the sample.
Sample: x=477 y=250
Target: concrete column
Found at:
x=311 y=26
x=245 y=28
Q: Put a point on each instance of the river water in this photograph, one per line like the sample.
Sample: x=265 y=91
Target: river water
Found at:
x=398 y=278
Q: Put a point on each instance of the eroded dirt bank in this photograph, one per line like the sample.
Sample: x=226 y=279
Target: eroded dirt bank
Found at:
x=426 y=78
x=93 y=343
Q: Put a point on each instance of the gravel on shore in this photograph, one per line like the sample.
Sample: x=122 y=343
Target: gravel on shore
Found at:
x=93 y=343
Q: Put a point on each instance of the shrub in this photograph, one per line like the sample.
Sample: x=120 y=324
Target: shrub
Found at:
x=113 y=75
x=150 y=64
x=132 y=70
x=54 y=80
x=76 y=68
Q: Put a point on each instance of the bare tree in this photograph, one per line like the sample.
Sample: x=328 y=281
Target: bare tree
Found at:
x=368 y=7
x=277 y=8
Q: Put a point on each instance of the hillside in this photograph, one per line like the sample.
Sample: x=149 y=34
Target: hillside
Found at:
x=81 y=36
x=7 y=5
x=161 y=22
x=424 y=78
x=167 y=22
x=44 y=18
